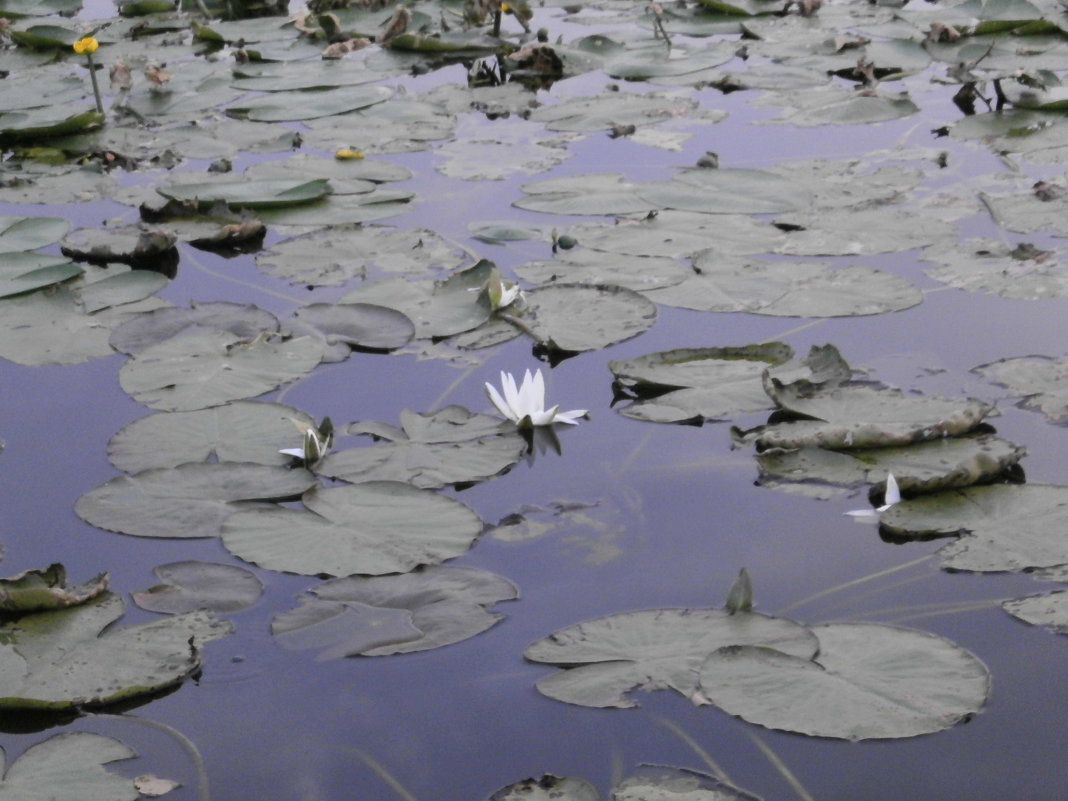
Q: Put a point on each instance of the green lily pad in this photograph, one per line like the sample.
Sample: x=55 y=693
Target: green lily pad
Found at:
x=285 y=106
x=189 y=586
x=61 y=659
x=252 y=194
x=726 y=191
x=33 y=124
x=25 y=272
x=14 y=9
x=1042 y=380
x=209 y=367
x=30 y=233
x=345 y=327
x=1049 y=610
x=595 y=193
x=243 y=320
x=607 y=657
x=373 y=528
x=38 y=590
x=1002 y=527
x=639 y=273
x=69 y=767
x=191 y=500
x=451 y=446
x=868 y=681
x=242 y=431
x=600 y=113
x=576 y=317
x=861 y=416
x=438 y=605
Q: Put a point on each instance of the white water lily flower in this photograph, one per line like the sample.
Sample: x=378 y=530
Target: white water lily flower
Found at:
x=890 y=497
x=525 y=405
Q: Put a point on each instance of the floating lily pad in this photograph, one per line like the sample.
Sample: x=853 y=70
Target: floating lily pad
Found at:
x=382 y=615
x=1002 y=527
x=60 y=660
x=38 y=590
x=639 y=273
x=242 y=320
x=373 y=528
x=30 y=233
x=576 y=317
x=1049 y=609
x=548 y=788
x=189 y=586
x=208 y=367
x=600 y=113
x=69 y=767
x=607 y=657
x=191 y=500
x=285 y=106
x=25 y=272
x=138 y=245
x=1042 y=380
x=868 y=681
x=1020 y=271
x=647 y=784
x=250 y=194
x=345 y=327
x=595 y=193
x=726 y=191
x=451 y=446
x=862 y=416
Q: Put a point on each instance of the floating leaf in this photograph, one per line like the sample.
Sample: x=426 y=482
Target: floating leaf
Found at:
x=344 y=327
x=548 y=788
x=373 y=528
x=1049 y=609
x=728 y=191
x=639 y=273
x=191 y=500
x=37 y=590
x=69 y=767
x=30 y=233
x=451 y=446
x=25 y=272
x=1004 y=527
x=607 y=657
x=575 y=317
x=209 y=367
x=292 y=106
x=868 y=680
x=438 y=605
x=189 y=586
x=243 y=320
x=250 y=194
x=1042 y=380
x=1020 y=271
x=61 y=660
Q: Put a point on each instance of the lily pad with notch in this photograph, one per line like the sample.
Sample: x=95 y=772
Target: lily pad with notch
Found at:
x=1041 y=380
x=382 y=615
x=192 y=585
x=68 y=767
x=571 y=318
x=191 y=500
x=39 y=590
x=241 y=319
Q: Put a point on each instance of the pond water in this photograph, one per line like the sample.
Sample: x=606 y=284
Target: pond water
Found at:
x=669 y=514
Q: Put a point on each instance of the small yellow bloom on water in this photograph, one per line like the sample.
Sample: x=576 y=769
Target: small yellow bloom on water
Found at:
x=505 y=8
x=86 y=45
x=348 y=153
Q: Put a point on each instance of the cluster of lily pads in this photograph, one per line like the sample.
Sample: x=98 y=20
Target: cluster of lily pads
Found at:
x=262 y=476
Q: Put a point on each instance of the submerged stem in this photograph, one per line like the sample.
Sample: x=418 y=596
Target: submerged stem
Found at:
x=96 y=86
x=855 y=582
x=780 y=766
x=695 y=746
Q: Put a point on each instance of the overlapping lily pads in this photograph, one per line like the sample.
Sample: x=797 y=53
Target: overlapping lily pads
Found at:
x=69 y=767
x=382 y=615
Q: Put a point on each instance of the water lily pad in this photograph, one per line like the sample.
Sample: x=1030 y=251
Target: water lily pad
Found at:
x=345 y=327
x=121 y=287
x=30 y=233
x=862 y=416
x=595 y=193
x=607 y=657
x=853 y=232
x=576 y=317
x=209 y=367
x=594 y=267
x=1042 y=380
x=1003 y=527
x=60 y=660
x=677 y=784
x=69 y=767
x=242 y=431
x=451 y=446
x=373 y=528
x=191 y=500
x=242 y=320
x=24 y=272
x=1049 y=609
x=38 y=590
x=992 y=267
x=688 y=384
x=189 y=586
x=250 y=194
x=726 y=191
x=438 y=605
x=600 y=113
x=868 y=681
x=548 y=788
x=285 y=106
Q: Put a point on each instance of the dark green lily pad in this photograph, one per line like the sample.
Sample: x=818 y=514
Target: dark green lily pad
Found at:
x=437 y=605
x=451 y=446
x=69 y=767
x=1002 y=527
x=243 y=320
x=34 y=124
x=138 y=245
x=373 y=528
x=25 y=272
x=30 y=233
x=209 y=367
x=607 y=657
x=345 y=327
x=38 y=590
x=291 y=106
x=1042 y=380
x=189 y=586
x=191 y=500
x=251 y=194
x=61 y=659
x=868 y=681
x=1049 y=610
x=242 y=431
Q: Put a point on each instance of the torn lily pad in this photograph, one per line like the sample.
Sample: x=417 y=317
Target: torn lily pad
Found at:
x=68 y=767
x=192 y=585
x=868 y=681
x=65 y=659
x=208 y=367
x=450 y=446
x=1041 y=380
x=191 y=500
x=1049 y=609
x=39 y=590
x=381 y=615
x=372 y=528
x=606 y=658
x=1001 y=527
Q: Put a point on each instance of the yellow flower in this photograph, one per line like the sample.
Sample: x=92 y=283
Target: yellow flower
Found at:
x=505 y=8
x=346 y=153
x=86 y=45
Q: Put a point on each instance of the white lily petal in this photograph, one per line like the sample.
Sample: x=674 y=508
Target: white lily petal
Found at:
x=499 y=402
x=571 y=417
x=892 y=494
x=863 y=515
x=297 y=452
x=512 y=396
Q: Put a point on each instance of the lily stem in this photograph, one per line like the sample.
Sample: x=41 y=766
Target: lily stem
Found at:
x=96 y=86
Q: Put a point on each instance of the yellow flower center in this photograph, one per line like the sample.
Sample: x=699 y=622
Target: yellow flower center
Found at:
x=347 y=153
x=86 y=45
